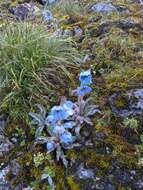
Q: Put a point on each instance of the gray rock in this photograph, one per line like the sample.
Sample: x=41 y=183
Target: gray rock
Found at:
x=126 y=24
x=139 y=184
x=109 y=187
x=5 y=144
x=137 y=98
x=23 y=11
x=100 y=135
x=5 y=147
x=13 y=167
x=136 y=1
x=3 y=183
x=123 y=10
x=103 y=8
x=83 y=173
x=132 y=103
x=103 y=185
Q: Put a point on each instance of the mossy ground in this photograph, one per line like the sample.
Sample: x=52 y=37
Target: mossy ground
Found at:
x=117 y=63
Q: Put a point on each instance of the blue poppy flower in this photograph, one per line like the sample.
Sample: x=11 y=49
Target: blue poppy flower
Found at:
x=47 y=15
x=83 y=90
x=67 y=138
x=59 y=113
x=51 y=145
x=69 y=125
x=58 y=130
x=68 y=106
x=85 y=77
x=50 y=120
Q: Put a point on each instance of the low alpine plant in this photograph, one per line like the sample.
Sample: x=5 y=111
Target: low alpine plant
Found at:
x=60 y=128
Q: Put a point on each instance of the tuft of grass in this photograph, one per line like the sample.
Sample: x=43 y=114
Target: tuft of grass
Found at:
x=33 y=63
x=70 y=7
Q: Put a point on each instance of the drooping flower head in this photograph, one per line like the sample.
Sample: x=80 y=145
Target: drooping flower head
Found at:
x=68 y=106
x=85 y=77
x=50 y=120
x=69 y=125
x=58 y=112
x=51 y=145
x=83 y=90
x=67 y=138
x=61 y=112
x=58 y=130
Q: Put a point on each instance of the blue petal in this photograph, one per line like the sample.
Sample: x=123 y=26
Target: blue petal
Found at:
x=50 y=119
x=68 y=104
x=85 y=73
x=51 y=146
x=69 y=125
x=67 y=138
x=59 y=113
x=85 y=77
x=83 y=90
x=58 y=130
x=69 y=112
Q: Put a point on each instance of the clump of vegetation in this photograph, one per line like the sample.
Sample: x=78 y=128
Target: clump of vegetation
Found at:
x=131 y=123
x=48 y=173
x=32 y=63
x=64 y=122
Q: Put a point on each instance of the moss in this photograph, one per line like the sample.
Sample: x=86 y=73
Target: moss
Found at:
x=72 y=155
x=96 y=160
x=128 y=161
x=60 y=177
x=72 y=184
x=121 y=102
x=120 y=187
x=123 y=79
x=36 y=172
